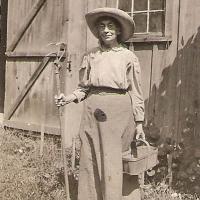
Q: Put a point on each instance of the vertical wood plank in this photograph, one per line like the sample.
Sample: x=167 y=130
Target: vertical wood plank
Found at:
x=144 y=53
x=167 y=88
x=16 y=12
x=26 y=24
x=65 y=21
x=76 y=49
x=189 y=61
x=27 y=87
x=111 y=3
x=91 y=40
x=156 y=74
x=169 y=18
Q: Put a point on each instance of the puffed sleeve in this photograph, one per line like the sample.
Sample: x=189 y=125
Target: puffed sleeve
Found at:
x=135 y=91
x=83 y=87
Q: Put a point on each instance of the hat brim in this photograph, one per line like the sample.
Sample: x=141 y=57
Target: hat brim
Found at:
x=126 y=22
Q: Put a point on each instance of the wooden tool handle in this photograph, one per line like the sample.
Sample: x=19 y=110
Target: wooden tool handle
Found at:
x=61 y=120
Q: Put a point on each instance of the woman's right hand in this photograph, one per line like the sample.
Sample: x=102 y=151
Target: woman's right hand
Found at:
x=61 y=99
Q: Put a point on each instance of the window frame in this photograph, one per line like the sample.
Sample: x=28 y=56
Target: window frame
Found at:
x=153 y=37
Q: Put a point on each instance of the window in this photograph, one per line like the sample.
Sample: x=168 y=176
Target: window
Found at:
x=149 y=15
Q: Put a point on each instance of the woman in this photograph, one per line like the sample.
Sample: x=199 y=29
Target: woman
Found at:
x=113 y=109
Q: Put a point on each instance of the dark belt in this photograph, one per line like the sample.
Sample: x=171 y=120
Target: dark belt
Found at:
x=107 y=90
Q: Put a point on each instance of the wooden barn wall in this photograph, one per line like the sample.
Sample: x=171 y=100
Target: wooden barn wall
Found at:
x=155 y=58
x=77 y=46
x=57 y=21
x=159 y=75
x=162 y=107
x=49 y=25
x=173 y=101
x=189 y=71
x=170 y=72
x=80 y=40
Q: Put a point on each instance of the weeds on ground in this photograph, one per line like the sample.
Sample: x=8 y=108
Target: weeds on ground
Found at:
x=25 y=175
x=162 y=191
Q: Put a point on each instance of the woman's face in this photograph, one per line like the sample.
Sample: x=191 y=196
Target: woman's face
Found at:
x=108 y=31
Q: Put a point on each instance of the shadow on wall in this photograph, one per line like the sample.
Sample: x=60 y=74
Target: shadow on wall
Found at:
x=177 y=98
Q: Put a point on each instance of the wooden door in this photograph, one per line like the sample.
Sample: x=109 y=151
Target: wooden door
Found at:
x=30 y=84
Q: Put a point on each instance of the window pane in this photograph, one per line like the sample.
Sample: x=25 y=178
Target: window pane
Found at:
x=125 y=5
x=156 y=22
x=156 y=4
x=140 y=23
x=140 y=5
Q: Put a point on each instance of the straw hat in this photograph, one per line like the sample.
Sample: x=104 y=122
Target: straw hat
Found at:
x=126 y=22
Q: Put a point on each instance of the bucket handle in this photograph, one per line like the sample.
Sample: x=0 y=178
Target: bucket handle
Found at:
x=144 y=141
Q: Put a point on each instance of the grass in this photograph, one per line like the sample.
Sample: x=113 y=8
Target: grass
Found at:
x=162 y=191
x=25 y=175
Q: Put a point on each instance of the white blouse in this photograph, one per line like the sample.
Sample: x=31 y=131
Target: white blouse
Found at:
x=117 y=68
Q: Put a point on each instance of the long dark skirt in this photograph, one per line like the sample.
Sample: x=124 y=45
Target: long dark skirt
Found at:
x=108 y=128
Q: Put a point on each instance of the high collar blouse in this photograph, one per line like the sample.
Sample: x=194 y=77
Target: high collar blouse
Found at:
x=116 y=68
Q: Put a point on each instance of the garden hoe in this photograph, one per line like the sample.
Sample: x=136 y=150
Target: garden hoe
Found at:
x=57 y=66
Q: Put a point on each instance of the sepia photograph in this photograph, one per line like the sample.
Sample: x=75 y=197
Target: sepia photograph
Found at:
x=99 y=100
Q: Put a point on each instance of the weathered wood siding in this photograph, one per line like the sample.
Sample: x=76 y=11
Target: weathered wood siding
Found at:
x=189 y=71
x=170 y=73
x=173 y=102
x=162 y=98
x=155 y=57
x=49 y=25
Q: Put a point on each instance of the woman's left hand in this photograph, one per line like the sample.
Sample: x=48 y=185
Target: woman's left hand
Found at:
x=139 y=131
